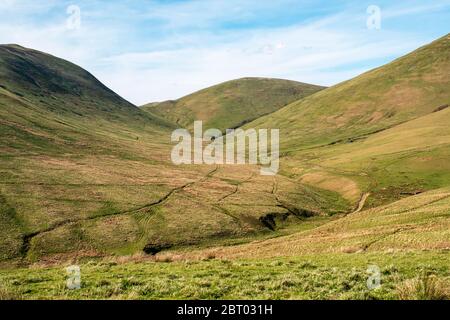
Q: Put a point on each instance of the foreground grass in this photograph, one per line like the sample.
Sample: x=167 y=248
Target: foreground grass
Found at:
x=333 y=276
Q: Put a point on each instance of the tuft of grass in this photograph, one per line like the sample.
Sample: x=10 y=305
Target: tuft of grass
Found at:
x=9 y=294
x=167 y=258
x=425 y=287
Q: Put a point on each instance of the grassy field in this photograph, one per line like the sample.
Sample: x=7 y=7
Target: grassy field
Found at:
x=406 y=244
x=416 y=223
x=411 y=275
x=399 y=162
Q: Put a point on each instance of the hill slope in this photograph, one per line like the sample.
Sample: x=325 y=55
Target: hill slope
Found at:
x=233 y=103
x=412 y=86
x=398 y=162
x=47 y=103
x=73 y=186
x=54 y=83
x=418 y=223
x=82 y=171
x=373 y=134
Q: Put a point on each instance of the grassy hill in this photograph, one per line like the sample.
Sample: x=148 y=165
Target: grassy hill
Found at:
x=383 y=132
x=407 y=88
x=84 y=172
x=364 y=181
x=49 y=104
x=233 y=103
x=58 y=85
x=405 y=160
x=417 y=223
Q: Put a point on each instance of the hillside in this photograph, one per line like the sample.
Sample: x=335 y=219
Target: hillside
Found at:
x=383 y=132
x=233 y=103
x=406 y=241
x=420 y=222
x=84 y=172
x=407 y=88
x=54 y=84
x=49 y=104
x=364 y=180
x=395 y=163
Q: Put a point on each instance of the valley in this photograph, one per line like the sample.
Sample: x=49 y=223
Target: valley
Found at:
x=86 y=178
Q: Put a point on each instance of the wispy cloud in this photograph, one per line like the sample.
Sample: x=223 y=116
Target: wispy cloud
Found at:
x=157 y=50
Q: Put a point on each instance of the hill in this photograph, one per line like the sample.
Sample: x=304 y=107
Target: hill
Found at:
x=47 y=103
x=405 y=244
x=407 y=88
x=383 y=132
x=84 y=172
x=417 y=223
x=54 y=84
x=405 y=160
x=233 y=103
x=364 y=182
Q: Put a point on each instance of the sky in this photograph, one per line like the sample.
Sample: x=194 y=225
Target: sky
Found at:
x=155 y=50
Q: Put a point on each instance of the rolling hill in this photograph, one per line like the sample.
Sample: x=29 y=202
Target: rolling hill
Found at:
x=231 y=104
x=407 y=88
x=364 y=180
x=84 y=172
x=383 y=132
x=55 y=84
x=50 y=104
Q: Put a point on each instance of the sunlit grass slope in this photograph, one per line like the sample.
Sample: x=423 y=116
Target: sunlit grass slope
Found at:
x=412 y=275
x=84 y=172
x=84 y=176
x=384 y=132
x=234 y=103
x=409 y=87
x=418 y=223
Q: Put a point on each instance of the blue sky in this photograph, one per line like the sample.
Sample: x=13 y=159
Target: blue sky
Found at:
x=156 y=50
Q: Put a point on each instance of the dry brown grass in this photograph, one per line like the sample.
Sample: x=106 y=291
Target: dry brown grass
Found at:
x=6 y=294
x=344 y=186
x=416 y=223
x=425 y=287
x=165 y=258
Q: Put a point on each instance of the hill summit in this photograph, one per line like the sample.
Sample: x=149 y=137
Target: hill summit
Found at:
x=58 y=85
x=232 y=104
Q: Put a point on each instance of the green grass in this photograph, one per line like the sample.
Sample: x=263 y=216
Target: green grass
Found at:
x=373 y=101
x=232 y=104
x=393 y=164
x=86 y=177
x=94 y=168
x=336 y=276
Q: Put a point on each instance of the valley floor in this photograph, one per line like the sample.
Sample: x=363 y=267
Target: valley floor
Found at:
x=380 y=253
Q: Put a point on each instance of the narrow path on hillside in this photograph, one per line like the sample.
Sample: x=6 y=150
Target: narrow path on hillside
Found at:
x=296 y=212
x=236 y=189
x=27 y=238
x=367 y=246
x=361 y=202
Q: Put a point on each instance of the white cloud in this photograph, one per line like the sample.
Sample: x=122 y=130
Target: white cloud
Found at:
x=300 y=53
x=411 y=10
